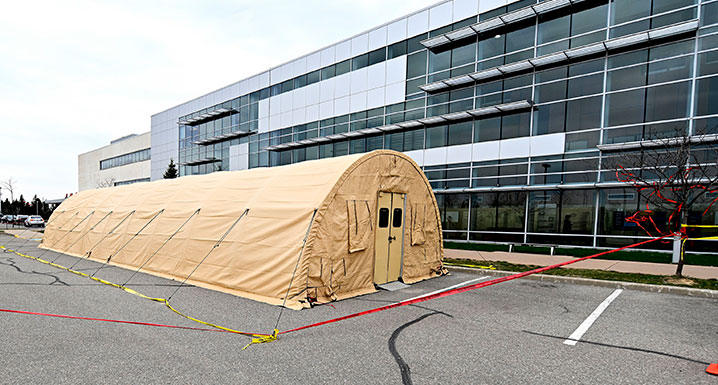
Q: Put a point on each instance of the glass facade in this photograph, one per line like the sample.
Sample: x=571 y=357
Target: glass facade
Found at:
x=121 y=160
x=634 y=91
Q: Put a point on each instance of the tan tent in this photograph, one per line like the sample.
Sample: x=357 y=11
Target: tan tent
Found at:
x=368 y=218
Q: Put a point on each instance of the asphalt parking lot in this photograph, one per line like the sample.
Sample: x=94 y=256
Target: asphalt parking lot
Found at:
x=513 y=332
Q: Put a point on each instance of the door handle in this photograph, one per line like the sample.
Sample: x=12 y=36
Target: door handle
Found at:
x=392 y=238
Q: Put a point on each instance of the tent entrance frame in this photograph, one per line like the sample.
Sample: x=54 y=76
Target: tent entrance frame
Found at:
x=389 y=237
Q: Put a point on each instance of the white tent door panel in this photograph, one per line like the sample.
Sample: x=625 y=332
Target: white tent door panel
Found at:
x=389 y=248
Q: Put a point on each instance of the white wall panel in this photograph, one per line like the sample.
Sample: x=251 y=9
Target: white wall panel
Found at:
x=360 y=44
x=262 y=82
x=376 y=75
x=417 y=155
x=487 y=5
x=377 y=38
x=394 y=93
x=341 y=105
x=326 y=109
x=418 y=23
x=440 y=15
x=458 y=154
x=299 y=97
x=264 y=124
x=358 y=102
x=342 y=85
x=396 y=70
x=314 y=61
x=312 y=113
x=287 y=101
x=254 y=81
x=328 y=56
x=515 y=148
x=434 y=156
x=359 y=80
x=396 y=31
x=275 y=121
x=243 y=87
x=343 y=51
x=299 y=116
x=263 y=107
x=312 y=93
x=275 y=104
x=464 y=9
x=485 y=151
x=275 y=75
x=299 y=67
x=327 y=90
x=286 y=119
x=287 y=71
x=375 y=98
x=548 y=144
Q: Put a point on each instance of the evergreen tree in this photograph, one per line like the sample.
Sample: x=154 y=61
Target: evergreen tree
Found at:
x=171 y=172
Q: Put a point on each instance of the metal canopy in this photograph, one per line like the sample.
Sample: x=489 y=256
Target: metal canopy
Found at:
x=562 y=56
x=220 y=138
x=207 y=115
x=498 y=22
x=423 y=122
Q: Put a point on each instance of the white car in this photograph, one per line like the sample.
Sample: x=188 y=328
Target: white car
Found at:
x=34 y=220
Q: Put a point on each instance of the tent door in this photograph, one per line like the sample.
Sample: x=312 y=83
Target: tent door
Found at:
x=389 y=248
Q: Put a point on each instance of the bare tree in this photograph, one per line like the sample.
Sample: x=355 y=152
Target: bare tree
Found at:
x=10 y=185
x=672 y=172
x=107 y=182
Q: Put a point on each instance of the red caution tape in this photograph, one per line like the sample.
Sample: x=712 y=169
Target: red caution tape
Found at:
x=112 y=320
x=469 y=287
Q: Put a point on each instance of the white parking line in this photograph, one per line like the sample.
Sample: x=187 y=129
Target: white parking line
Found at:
x=449 y=288
x=576 y=335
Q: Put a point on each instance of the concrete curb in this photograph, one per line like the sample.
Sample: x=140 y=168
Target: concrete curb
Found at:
x=677 y=290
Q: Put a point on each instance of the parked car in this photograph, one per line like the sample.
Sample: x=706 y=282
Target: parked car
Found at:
x=7 y=219
x=34 y=220
x=20 y=219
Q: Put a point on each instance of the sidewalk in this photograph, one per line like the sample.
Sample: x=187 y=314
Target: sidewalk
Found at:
x=705 y=272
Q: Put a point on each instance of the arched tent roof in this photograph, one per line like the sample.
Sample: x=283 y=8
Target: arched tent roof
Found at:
x=258 y=256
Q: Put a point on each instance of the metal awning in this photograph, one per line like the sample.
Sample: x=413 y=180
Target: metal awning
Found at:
x=559 y=57
x=200 y=161
x=653 y=143
x=205 y=116
x=409 y=124
x=498 y=22
x=223 y=137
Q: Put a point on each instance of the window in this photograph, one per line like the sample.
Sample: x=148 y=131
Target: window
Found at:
x=360 y=62
x=627 y=78
x=377 y=56
x=625 y=107
x=549 y=119
x=516 y=125
x=397 y=219
x=343 y=67
x=589 y=20
x=439 y=61
x=460 y=133
x=668 y=70
x=709 y=14
x=487 y=129
x=436 y=137
x=586 y=85
x=463 y=55
x=627 y=10
x=551 y=91
x=707 y=96
x=667 y=102
x=553 y=29
x=397 y=49
x=383 y=217
x=416 y=65
x=491 y=46
x=583 y=114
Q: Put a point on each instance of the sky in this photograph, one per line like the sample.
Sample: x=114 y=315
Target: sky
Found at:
x=75 y=75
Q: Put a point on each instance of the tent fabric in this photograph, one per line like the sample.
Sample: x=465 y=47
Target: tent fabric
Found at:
x=258 y=257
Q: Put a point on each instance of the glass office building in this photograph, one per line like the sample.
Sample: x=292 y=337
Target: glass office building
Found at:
x=514 y=109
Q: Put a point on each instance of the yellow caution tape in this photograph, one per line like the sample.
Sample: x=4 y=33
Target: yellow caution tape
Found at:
x=490 y=267
x=257 y=337
x=702 y=226
x=264 y=339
